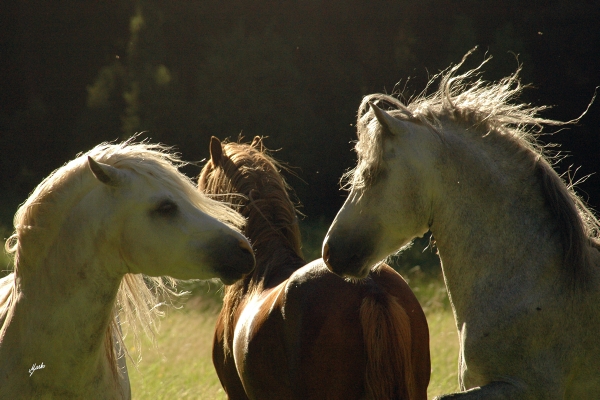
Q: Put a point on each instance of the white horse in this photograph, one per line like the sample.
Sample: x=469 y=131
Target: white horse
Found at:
x=82 y=241
x=520 y=251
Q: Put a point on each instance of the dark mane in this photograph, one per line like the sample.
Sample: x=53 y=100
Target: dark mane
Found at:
x=250 y=181
x=491 y=109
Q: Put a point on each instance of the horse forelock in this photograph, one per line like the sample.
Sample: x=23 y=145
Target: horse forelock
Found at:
x=489 y=108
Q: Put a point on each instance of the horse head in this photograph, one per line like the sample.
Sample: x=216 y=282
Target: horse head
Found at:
x=391 y=191
x=165 y=231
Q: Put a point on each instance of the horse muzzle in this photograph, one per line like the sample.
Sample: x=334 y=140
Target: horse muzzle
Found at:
x=348 y=258
x=231 y=265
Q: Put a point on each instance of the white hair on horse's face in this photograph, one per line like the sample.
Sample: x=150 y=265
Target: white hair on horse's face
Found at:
x=158 y=162
x=151 y=160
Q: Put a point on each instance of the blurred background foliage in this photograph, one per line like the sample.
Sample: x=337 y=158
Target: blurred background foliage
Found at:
x=74 y=74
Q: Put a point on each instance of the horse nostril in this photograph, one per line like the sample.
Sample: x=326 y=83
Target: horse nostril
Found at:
x=246 y=246
x=326 y=253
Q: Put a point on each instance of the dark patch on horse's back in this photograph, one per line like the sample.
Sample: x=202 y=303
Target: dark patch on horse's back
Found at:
x=81 y=273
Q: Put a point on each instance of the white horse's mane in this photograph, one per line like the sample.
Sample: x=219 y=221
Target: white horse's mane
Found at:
x=490 y=107
x=464 y=98
x=37 y=224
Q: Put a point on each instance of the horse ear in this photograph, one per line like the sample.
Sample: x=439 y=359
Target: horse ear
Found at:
x=393 y=125
x=106 y=174
x=216 y=151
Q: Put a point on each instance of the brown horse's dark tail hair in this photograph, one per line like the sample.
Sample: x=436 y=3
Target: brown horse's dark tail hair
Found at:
x=386 y=331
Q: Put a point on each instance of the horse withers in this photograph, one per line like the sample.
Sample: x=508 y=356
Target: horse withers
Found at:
x=519 y=250
x=82 y=241
x=292 y=330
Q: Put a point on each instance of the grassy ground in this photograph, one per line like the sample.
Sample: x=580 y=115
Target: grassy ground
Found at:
x=181 y=367
x=443 y=339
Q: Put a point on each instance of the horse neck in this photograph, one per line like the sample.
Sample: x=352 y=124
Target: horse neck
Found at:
x=276 y=242
x=491 y=224
x=275 y=265
x=61 y=310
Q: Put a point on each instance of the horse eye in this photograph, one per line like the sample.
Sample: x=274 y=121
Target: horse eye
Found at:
x=166 y=208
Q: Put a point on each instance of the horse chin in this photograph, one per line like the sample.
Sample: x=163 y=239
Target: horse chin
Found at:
x=354 y=267
x=350 y=257
x=362 y=273
x=230 y=276
x=229 y=258
x=230 y=280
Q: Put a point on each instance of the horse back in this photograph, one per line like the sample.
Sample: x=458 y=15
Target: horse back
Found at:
x=306 y=338
x=299 y=340
x=323 y=334
x=355 y=339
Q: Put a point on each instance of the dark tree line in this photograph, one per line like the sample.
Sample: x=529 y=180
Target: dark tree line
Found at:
x=75 y=74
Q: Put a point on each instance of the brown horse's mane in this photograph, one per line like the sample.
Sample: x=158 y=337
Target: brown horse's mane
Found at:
x=468 y=100
x=249 y=179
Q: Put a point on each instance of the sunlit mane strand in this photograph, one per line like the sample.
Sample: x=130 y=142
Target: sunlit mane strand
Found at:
x=464 y=98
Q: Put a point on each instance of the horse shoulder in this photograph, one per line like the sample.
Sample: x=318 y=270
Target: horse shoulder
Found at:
x=224 y=362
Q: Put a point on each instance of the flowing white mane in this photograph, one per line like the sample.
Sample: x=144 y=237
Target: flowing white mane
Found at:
x=464 y=98
x=38 y=220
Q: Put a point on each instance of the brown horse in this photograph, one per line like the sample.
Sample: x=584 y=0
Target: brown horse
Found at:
x=292 y=330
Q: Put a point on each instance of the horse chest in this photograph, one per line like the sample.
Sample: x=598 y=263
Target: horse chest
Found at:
x=243 y=331
x=249 y=333
x=533 y=343
x=258 y=352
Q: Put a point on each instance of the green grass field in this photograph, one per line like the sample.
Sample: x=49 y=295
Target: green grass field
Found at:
x=181 y=366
